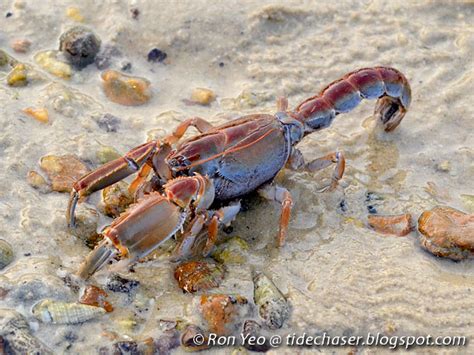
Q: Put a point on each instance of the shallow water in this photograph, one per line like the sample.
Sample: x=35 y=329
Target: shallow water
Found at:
x=338 y=275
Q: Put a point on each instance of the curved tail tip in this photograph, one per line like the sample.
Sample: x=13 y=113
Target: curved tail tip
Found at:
x=97 y=258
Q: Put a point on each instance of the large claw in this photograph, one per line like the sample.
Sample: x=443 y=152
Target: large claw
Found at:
x=136 y=233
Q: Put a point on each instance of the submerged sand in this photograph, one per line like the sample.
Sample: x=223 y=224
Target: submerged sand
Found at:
x=339 y=276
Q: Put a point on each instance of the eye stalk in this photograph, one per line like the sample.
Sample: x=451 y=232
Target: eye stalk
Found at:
x=295 y=128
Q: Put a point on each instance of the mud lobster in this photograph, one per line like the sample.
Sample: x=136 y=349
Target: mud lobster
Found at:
x=224 y=163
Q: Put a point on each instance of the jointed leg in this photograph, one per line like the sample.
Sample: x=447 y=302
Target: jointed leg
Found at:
x=282 y=195
x=199 y=123
x=296 y=162
x=183 y=248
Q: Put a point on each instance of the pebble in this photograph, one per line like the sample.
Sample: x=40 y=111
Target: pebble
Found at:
x=202 y=96
x=21 y=45
x=56 y=312
x=444 y=166
x=167 y=342
x=16 y=337
x=87 y=221
x=108 y=122
x=399 y=225
x=468 y=202
x=40 y=114
x=80 y=46
x=18 y=76
x=115 y=199
x=3 y=58
x=104 y=58
x=6 y=254
x=106 y=154
x=156 y=55
x=233 y=251
x=188 y=338
x=193 y=276
x=63 y=171
x=117 y=283
x=447 y=232
x=125 y=89
x=222 y=312
x=272 y=305
x=95 y=296
x=52 y=63
x=74 y=14
x=37 y=181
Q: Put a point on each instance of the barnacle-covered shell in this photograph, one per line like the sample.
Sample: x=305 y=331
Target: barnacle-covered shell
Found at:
x=63 y=170
x=272 y=305
x=115 y=199
x=447 y=232
x=16 y=335
x=233 y=251
x=49 y=311
x=194 y=276
x=221 y=312
x=125 y=89
x=6 y=253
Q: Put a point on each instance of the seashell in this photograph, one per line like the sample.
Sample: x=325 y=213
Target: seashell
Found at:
x=189 y=336
x=63 y=171
x=251 y=329
x=115 y=199
x=125 y=89
x=221 y=312
x=16 y=337
x=399 y=225
x=80 y=46
x=95 y=296
x=272 y=305
x=233 y=251
x=194 y=276
x=447 y=232
x=49 y=311
x=6 y=253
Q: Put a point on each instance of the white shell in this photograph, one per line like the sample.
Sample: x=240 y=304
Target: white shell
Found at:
x=56 y=312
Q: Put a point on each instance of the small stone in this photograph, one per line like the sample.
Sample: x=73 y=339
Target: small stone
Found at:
x=135 y=12
x=115 y=199
x=468 y=202
x=117 y=283
x=106 y=154
x=399 y=225
x=447 y=232
x=104 y=58
x=3 y=58
x=6 y=254
x=40 y=114
x=74 y=14
x=8 y=14
x=202 y=96
x=51 y=62
x=87 y=221
x=95 y=296
x=125 y=89
x=18 y=76
x=108 y=123
x=221 y=312
x=63 y=171
x=21 y=45
x=126 y=66
x=37 y=181
x=444 y=166
x=233 y=251
x=191 y=339
x=80 y=45
x=156 y=55
x=193 y=276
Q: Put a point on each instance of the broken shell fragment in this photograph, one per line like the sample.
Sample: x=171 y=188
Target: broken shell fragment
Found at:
x=115 y=199
x=221 y=312
x=233 y=251
x=195 y=276
x=49 y=311
x=272 y=305
x=399 y=225
x=95 y=296
x=125 y=89
x=40 y=114
x=87 y=221
x=6 y=254
x=80 y=46
x=251 y=329
x=202 y=96
x=447 y=232
x=51 y=62
x=194 y=339
x=63 y=171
